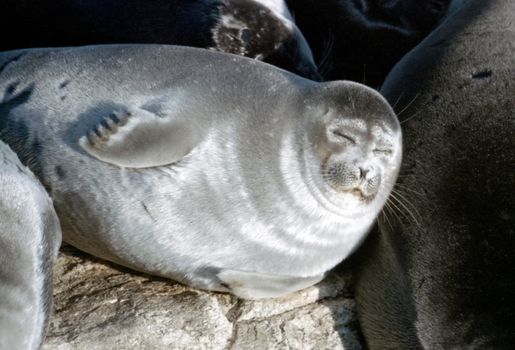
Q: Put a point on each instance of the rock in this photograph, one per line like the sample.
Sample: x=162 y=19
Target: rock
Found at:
x=320 y=325
x=98 y=305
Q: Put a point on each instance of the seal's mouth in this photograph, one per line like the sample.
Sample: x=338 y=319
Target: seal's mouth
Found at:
x=360 y=195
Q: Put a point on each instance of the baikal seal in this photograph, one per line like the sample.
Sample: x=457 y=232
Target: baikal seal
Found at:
x=211 y=169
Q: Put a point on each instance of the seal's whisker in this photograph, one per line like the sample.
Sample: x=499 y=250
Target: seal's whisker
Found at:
x=392 y=196
x=389 y=202
x=403 y=187
x=384 y=215
x=421 y=108
x=412 y=116
x=408 y=105
x=398 y=211
x=393 y=208
x=384 y=210
x=327 y=49
x=398 y=99
x=324 y=64
x=405 y=201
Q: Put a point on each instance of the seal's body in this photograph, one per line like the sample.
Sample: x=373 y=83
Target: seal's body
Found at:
x=212 y=169
x=444 y=278
x=263 y=29
x=29 y=240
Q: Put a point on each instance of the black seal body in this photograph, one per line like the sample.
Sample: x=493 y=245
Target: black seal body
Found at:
x=440 y=273
x=243 y=27
x=361 y=40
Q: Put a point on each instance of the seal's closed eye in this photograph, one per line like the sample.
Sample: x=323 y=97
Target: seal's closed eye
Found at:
x=341 y=136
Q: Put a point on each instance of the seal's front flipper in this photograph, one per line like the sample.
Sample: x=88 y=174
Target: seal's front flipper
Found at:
x=137 y=138
x=253 y=285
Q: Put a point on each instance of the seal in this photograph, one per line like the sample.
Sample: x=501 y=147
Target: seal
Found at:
x=29 y=239
x=212 y=169
x=361 y=40
x=262 y=29
x=444 y=278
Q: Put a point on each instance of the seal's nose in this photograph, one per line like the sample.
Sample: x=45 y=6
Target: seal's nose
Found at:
x=363 y=173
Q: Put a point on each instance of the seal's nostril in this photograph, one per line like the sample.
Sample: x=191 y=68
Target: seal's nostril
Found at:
x=363 y=172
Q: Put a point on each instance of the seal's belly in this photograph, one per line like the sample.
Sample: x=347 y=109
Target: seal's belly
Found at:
x=172 y=221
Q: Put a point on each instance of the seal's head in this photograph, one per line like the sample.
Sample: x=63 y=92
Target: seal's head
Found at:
x=355 y=145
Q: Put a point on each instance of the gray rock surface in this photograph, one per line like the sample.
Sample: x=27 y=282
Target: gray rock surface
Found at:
x=98 y=305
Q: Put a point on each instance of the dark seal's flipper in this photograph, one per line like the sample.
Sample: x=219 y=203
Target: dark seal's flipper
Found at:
x=137 y=138
x=29 y=240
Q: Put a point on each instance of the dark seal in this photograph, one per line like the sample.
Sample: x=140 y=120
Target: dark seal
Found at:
x=361 y=40
x=443 y=276
x=245 y=27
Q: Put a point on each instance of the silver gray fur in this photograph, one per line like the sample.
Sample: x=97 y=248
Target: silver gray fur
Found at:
x=243 y=207
x=29 y=239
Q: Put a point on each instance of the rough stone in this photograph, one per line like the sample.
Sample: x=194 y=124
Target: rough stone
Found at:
x=98 y=305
